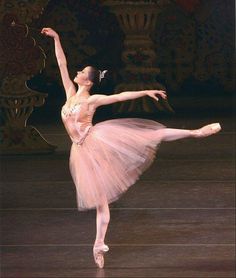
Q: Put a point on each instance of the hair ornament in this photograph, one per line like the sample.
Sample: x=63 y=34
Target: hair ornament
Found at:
x=101 y=74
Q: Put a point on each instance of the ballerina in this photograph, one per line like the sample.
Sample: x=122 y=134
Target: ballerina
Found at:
x=108 y=157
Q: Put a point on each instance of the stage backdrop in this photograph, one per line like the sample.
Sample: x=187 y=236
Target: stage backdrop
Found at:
x=194 y=42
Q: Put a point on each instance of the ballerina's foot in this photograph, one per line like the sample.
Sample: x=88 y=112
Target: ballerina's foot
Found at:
x=98 y=252
x=206 y=130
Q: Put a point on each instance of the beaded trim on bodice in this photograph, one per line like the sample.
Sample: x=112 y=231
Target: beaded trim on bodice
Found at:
x=77 y=121
x=71 y=110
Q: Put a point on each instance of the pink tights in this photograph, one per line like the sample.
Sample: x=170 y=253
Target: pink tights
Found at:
x=102 y=221
x=172 y=134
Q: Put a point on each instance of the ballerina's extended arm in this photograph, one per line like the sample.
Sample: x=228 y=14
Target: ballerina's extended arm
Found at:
x=99 y=100
x=62 y=63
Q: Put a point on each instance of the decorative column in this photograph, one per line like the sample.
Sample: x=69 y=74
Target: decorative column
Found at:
x=20 y=59
x=138 y=20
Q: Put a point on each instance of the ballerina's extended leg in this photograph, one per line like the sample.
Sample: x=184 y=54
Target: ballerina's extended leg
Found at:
x=172 y=134
x=103 y=218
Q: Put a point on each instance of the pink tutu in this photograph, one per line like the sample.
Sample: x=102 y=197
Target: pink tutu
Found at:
x=111 y=158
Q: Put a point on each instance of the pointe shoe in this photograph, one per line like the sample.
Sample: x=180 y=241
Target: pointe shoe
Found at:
x=207 y=130
x=98 y=252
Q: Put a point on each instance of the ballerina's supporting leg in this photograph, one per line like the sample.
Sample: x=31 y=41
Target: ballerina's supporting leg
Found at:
x=172 y=134
x=102 y=221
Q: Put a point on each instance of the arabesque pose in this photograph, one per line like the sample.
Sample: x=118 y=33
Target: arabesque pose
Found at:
x=108 y=157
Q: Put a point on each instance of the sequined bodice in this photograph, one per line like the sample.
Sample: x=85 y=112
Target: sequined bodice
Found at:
x=77 y=120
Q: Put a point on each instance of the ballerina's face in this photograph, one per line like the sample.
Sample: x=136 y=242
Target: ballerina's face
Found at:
x=82 y=77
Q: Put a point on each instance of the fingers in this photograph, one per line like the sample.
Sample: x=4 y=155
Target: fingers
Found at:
x=49 y=32
x=156 y=98
x=162 y=94
x=152 y=94
x=45 y=31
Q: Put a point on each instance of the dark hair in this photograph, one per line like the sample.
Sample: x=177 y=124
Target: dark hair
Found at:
x=96 y=77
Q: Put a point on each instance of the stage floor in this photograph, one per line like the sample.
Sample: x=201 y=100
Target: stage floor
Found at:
x=176 y=221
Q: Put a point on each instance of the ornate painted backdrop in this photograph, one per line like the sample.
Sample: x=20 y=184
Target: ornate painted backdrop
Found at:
x=89 y=33
x=194 y=42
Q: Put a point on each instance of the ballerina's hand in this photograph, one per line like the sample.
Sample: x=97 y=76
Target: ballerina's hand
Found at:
x=49 y=32
x=153 y=93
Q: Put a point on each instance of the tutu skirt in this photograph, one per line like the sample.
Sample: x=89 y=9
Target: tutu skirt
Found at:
x=111 y=159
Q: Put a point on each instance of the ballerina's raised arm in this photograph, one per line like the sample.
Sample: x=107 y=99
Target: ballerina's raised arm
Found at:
x=62 y=62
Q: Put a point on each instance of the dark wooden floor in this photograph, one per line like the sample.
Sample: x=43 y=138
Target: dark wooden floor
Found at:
x=177 y=221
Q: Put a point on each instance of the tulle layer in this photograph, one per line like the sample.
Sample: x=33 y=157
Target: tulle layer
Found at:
x=112 y=157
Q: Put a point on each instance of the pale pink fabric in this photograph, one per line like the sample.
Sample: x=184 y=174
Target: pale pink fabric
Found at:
x=108 y=157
